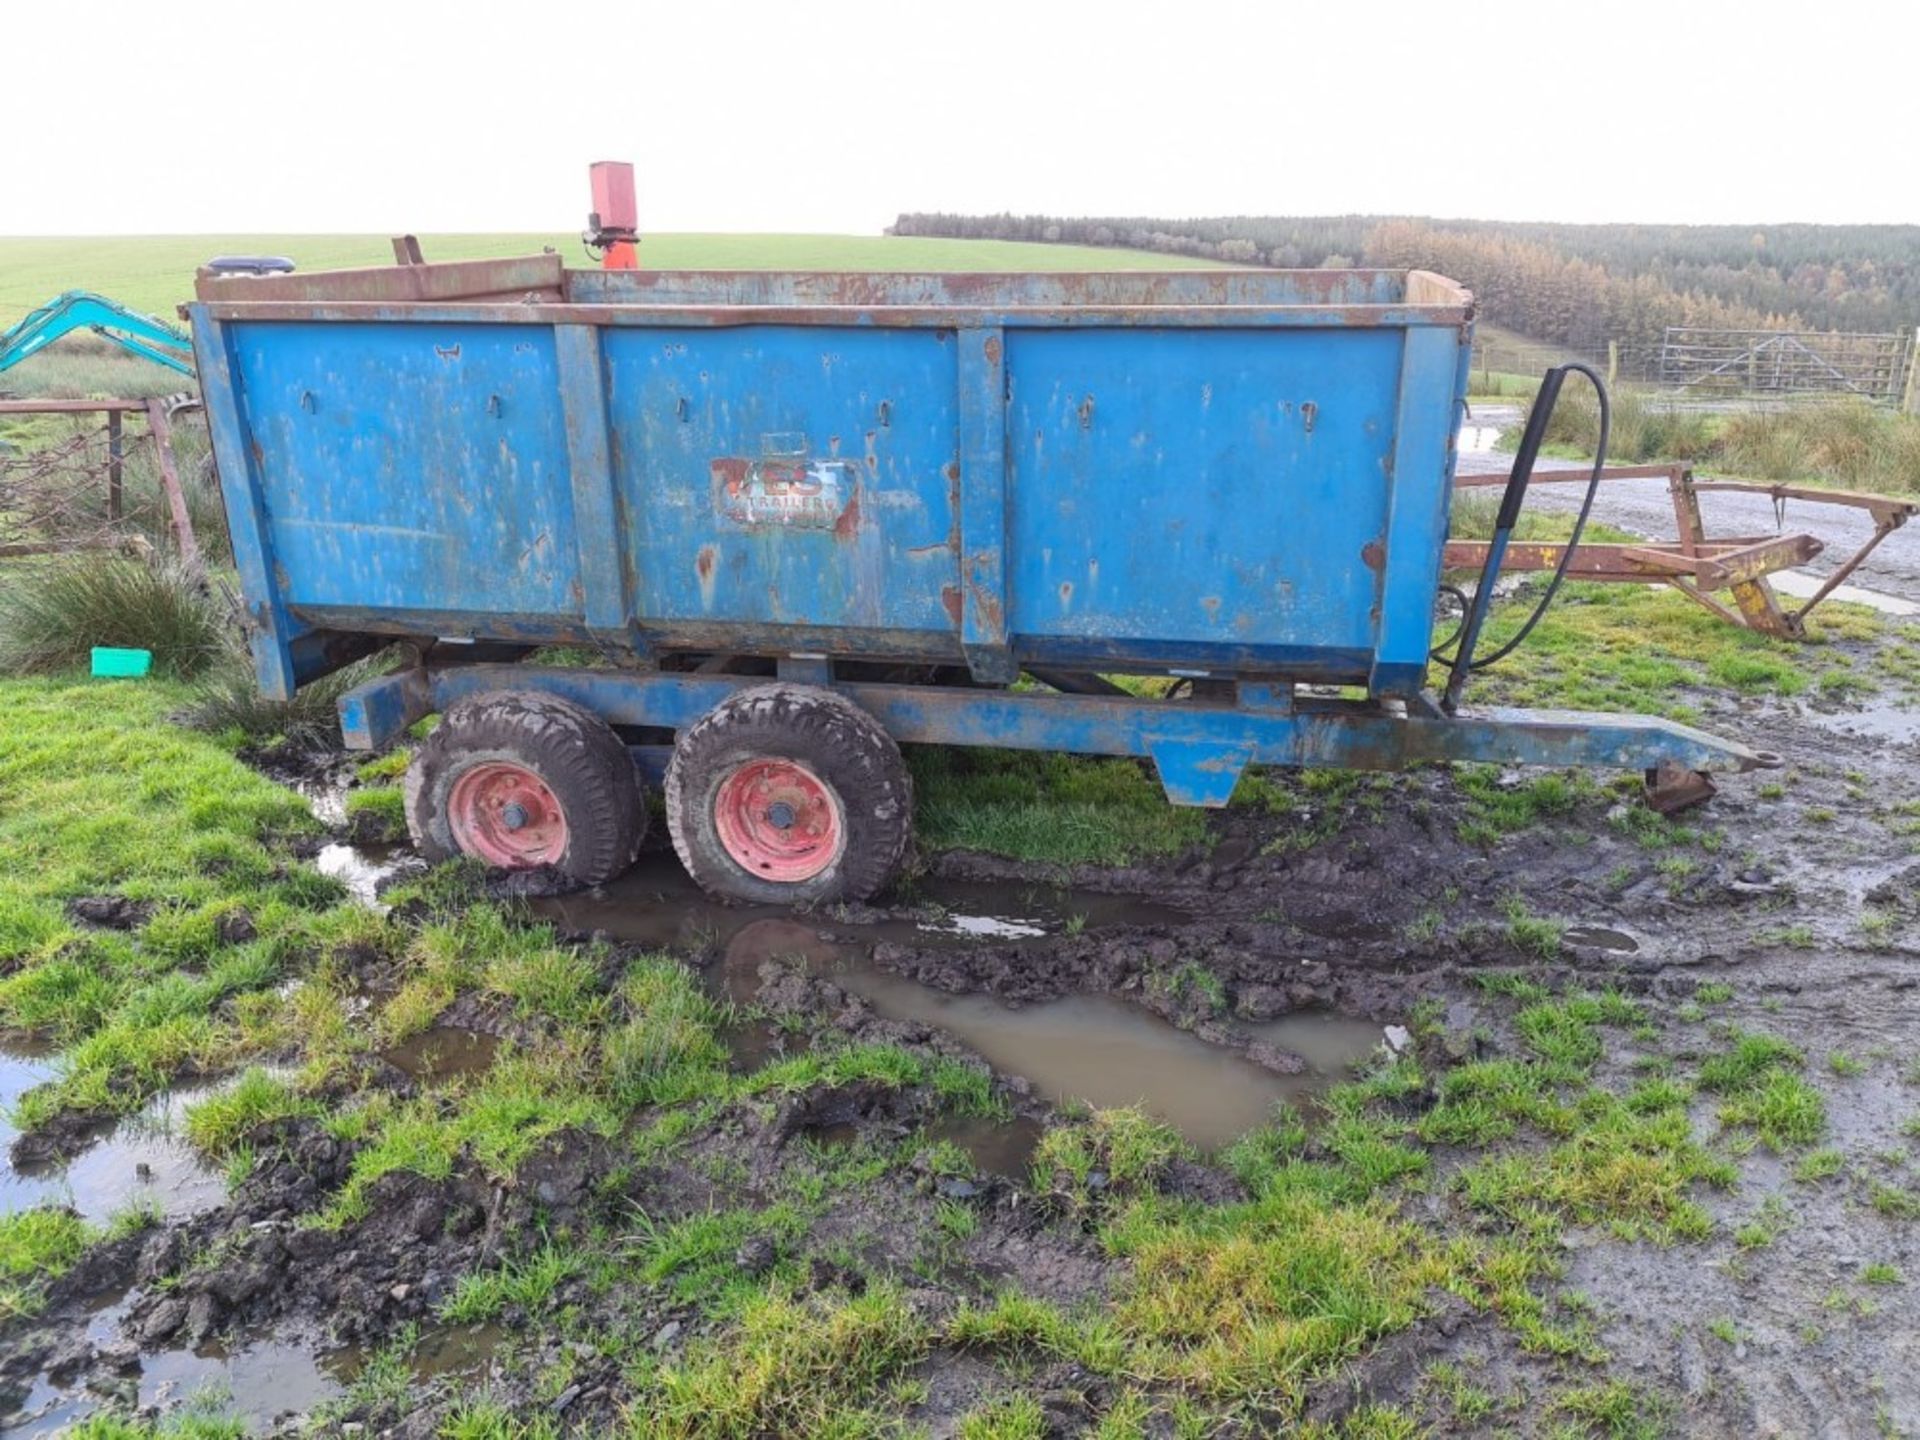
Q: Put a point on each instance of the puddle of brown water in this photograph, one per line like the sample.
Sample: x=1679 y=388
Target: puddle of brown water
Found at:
x=1107 y=1052
x=754 y=1043
x=441 y=1052
x=363 y=869
x=24 y=1063
x=459 y=1352
x=1096 y=1049
x=465 y=1350
x=656 y=904
x=142 y=1161
x=997 y=1147
x=1872 y=722
x=257 y=1382
x=261 y=1380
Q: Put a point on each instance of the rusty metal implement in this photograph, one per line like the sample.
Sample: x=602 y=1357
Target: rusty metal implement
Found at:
x=1694 y=564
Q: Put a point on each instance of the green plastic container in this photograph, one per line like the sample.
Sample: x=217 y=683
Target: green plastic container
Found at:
x=121 y=664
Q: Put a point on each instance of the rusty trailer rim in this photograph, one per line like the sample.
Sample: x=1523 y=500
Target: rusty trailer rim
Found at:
x=507 y=816
x=778 y=820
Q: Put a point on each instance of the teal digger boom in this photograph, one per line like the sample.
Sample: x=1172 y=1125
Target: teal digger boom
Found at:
x=804 y=519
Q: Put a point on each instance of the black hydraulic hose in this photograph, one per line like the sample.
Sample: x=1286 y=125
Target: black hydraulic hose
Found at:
x=1579 y=523
x=1439 y=652
x=1468 y=635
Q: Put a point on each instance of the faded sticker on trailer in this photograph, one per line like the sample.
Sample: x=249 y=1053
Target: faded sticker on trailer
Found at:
x=799 y=493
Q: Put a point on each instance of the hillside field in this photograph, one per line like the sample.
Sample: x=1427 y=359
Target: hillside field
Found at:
x=154 y=273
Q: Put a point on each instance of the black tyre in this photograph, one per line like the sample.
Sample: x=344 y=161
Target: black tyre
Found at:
x=519 y=779
x=789 y=794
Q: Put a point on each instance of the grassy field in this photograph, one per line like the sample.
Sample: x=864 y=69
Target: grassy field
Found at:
x=153 y=273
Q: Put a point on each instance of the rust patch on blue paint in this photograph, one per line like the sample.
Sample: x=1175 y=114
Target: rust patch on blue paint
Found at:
x=848 y=525
x=704 y=564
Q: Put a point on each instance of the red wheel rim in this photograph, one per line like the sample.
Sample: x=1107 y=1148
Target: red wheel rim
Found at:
x=778 y=821
x=507 y=816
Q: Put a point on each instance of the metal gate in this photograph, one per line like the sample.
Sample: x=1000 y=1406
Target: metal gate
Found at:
x=1782 y=362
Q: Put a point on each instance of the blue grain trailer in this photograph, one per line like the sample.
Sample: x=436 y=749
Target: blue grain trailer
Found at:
x=811 y=517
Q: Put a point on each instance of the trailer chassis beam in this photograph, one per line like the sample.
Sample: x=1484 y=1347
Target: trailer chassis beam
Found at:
x=1199 y=746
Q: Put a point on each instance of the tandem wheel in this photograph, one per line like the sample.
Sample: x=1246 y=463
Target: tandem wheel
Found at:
x=789 y=795
x=519 y=779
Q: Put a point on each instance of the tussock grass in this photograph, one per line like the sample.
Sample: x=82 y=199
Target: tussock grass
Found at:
x=667 y=1050
x=1254 y=1300
x=227 y=702
x=1085 y=1164
x=1645 y=427
x=1631 y=1172
x=1022 y=1324
x=54 y=612
x=1843 y=441
x=528 y=1282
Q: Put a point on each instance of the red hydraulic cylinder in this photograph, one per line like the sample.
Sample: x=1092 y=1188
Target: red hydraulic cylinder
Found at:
x=614 y=226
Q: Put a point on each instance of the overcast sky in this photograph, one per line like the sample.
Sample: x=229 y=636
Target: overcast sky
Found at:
x=827 y=115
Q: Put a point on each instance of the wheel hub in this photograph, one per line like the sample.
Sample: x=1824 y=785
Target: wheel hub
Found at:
x=508 y=816
x=779 y=821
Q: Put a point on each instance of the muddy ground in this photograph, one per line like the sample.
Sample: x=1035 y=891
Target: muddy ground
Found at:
x=1327 y=935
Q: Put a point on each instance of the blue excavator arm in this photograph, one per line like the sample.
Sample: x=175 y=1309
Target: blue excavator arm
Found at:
x=145 y=336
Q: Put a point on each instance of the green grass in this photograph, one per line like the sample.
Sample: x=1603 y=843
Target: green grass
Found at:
x=1335 y=1245
x=789 y=1366
x=197 y=1419
x=1501 y=385
x=98 y=794
x=1636 y=649
x=527 y=1283
x=1758 y=1078
x=1046 y=807
x=154 y=273
x=36 y=1247
x=221 y=1123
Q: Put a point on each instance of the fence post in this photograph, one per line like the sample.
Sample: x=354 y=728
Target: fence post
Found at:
x=115 y=452
x=1613 y=363
x=1912 y=402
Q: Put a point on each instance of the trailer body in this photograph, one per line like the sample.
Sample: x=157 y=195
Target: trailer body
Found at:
x=911 y=489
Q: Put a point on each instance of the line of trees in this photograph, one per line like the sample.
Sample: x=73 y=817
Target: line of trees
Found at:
x=1574 y=285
